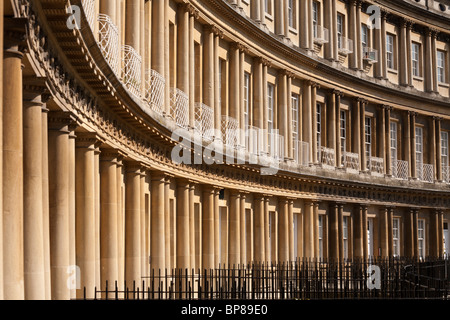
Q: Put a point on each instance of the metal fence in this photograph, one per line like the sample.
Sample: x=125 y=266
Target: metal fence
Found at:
x=300 y=280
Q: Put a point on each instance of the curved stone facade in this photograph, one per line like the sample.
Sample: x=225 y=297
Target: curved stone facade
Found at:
x=144 y=135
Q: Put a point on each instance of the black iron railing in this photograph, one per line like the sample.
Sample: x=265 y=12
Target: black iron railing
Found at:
x=305 y=279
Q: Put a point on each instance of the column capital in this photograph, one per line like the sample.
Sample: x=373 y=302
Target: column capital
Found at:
x=212 y=28
x=14 y=42
x=387 y=107
x=61 y=121
x=412 y=113
x=264 y=61
x=193 y=12
x=109 y=155
x=338 y=93
x=88 y=140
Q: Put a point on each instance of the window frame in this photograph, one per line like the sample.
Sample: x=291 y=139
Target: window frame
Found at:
x=390 y=54
x=416 y=54
x=441 y=69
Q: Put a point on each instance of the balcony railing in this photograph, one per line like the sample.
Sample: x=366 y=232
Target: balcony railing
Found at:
x=204 y=121
x=109 y=42
x=350 y=161
x=254 y=140
x=428 y=173
x=155 y=91
x=89 y=11
x=345 y=45
x=276 y=146
x=301 y=153
x=321 y=34
x=400 y=169
x=179 y=107
x=132 y=70
x=327 y=156
x=370 y=55
x=229 y=131
x=376 y=165
x=446 y=174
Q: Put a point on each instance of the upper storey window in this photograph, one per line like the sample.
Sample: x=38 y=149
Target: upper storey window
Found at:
x=291 y=14
x=415 y=58
x=340 y=29
x=441 y=66
x=390 y=51
x=315 y=17
x=268 y=7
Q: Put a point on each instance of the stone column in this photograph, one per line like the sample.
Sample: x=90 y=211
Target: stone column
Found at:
x=235 y=239
x=409 y=26
x=1 y=150
x=210 y=70
x=404 y=52
x=336 y=127
x=282 y=108
x=85 y=211
x=255 y=13
x=243 y=231
x=158 y=51
x=192 y=243
x=158 y=250
x=234 y=85
x=182 y=225
x=193 y=15
x=208 y=228
x=267 y=244
x=315 y=151
x=292 y=254
x=108 y=211
x=333 y=243
x=381 y=136
x=283 y=230
x=409 y=233
x=352 y=33
x=133 y=270
x=217 y=234
x=308 y=245
x=307 y=118
x=280 y=18
x=412 y=141
x=341 y=231
x=258 y=98
x=304 y=24
x=45 y=199
x=362 y=123
x=391 y=232
x=13 y=210
x=168 y=219
x=183 y=66
x=132 y=25
x=406 y=140
x=259 y=243
x=72 y=201
x=329 y=24
x=32 y=190
x=59 y=161
x=384 y=232
x=356 y=128
x=358 y=232
x=388 y=158
x=120 y=221
x=438 y=159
